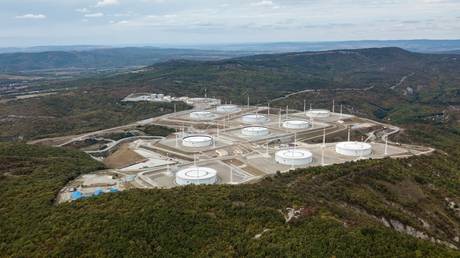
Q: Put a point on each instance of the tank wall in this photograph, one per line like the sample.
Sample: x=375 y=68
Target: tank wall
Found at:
x=353 y=153
x=197 y=144
x=294 y=162
x=295 y=126
x=253 y=120
x=207 y=181
x=254 y=133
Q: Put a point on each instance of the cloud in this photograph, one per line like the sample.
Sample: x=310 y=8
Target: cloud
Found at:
x=119 y=22
x=94 y=15
x=265 y=3
x=82 y=10
x=103 y=3
x=31 y=16
x=154 y=1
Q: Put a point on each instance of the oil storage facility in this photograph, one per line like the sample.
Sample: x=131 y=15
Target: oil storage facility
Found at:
x=294 y=157
x=255 y=119
x=196 y=176
x=197 y=141
x=353 y=149
x=255 y=131
x=318 y=113
x=296 y=124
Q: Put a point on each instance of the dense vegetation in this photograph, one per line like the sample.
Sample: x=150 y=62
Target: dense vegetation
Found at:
x=156 y=130
x=73 y=113
x=338 y=203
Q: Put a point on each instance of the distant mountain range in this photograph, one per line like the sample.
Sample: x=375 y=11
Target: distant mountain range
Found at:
x=397 y=74
x=109 y=57
x=422 y=46
x=104 y=58
x=50 y=48
x=419 y=45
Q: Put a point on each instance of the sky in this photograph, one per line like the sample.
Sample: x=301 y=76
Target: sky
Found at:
x=182 y=22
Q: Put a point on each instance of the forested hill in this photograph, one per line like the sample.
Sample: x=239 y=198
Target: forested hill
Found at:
x=104 y=58
x=385 y=83
x=342 y=211
x=406 y=73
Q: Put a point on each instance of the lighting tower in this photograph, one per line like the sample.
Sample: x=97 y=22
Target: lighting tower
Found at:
x=324 y=137
x=386 y=145
x=287 y=112
x=279 y=118
x=349 y=133
x=322 y=157
x=231 y=173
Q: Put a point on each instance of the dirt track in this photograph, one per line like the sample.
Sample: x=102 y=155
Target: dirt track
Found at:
x=123 y=157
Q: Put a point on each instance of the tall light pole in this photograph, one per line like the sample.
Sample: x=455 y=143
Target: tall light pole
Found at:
x=386 y=145
x=349 y=133
x=324 y=137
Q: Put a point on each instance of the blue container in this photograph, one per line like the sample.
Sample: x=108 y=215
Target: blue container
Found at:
x=76 y=195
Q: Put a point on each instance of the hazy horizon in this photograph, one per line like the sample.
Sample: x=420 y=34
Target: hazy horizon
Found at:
x=172 y=45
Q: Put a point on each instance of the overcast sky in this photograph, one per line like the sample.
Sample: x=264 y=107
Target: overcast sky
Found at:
x=157 y=22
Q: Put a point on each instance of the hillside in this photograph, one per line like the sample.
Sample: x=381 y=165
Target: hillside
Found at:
x=102 y=58
x=420 y=45
x=341 y=209
x=391 y=70
x=387 y=83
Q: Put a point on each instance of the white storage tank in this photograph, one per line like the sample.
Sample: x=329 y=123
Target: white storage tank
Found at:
x=353 y=149
x=202 y=115
x=208 y=101
x=294 y=157
x=197 y=141
x=255 y=119
x=296 y=124
x=318 y=113
x=226 y=109
x=196 y=176
x=255 y=131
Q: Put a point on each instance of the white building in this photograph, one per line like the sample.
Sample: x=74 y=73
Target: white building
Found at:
x=196 y=176
x=202 y=115
x=255 y=131
x=255 y=119
x=296 y=124
x=227 y=109
x=318 y=113
x=197 y=141
x=353 y=149
x=294 y=157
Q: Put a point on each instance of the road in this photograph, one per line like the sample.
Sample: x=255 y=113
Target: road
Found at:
x=320 y=90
